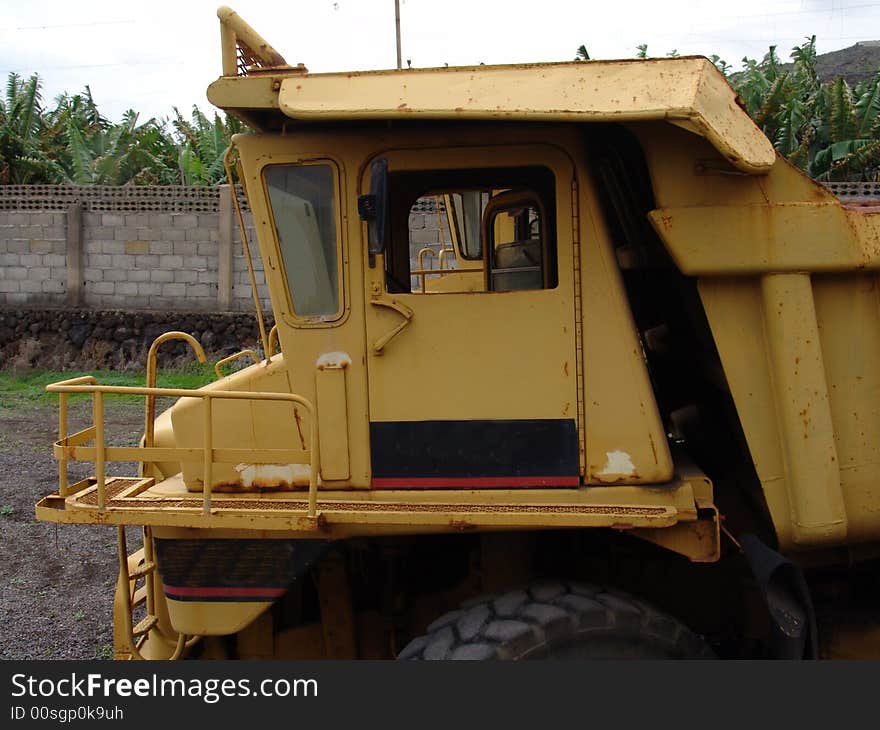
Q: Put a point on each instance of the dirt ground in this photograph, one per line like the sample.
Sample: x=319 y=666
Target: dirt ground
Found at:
x=56 y=581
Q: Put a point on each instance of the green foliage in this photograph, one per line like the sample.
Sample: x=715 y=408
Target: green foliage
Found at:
x=204 y=144
x=830 y=131
x=74 y=143
x=24 y=155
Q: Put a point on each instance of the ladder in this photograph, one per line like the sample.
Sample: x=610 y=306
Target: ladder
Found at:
x=132 y=568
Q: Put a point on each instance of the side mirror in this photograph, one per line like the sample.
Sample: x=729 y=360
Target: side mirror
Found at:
x=374 y=209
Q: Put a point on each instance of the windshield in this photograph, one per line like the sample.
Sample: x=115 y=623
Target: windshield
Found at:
x=304 y=211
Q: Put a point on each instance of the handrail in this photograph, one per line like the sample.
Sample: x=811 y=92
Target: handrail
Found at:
x=444 y=256
x=235 y=32
x=62 y=428
x=152 y=367
x=232 y=358
x=422 y=268
x=422 y=253
x=89 y=385
x=227 y=166
x=273 y=342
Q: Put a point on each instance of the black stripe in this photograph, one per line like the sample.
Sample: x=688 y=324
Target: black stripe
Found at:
x=458 y=449
x=233 y=562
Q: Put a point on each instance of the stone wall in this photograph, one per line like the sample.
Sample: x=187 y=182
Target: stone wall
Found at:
x=64 y=339
x=156 y=248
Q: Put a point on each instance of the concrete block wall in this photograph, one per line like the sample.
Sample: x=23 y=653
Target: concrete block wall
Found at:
x=33 y=257
x=428 y=229
x=164 y=249
x=150 y=260
x=242 y=296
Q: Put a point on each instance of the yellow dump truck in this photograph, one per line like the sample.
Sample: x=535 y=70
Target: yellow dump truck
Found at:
x=633 y=412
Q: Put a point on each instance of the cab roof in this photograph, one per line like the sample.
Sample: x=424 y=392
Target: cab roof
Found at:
x=260 y=87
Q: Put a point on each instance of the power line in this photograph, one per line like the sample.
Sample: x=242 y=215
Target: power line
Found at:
x=73 y=25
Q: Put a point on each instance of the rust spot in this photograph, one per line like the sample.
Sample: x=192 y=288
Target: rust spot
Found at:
x=461 y=525
x=302 y=439
x=402 y=107
x=459 y=109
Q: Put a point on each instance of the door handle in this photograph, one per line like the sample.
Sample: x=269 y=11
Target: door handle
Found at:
x=378 y=299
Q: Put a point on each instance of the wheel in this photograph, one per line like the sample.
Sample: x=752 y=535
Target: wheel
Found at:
x=558 y=621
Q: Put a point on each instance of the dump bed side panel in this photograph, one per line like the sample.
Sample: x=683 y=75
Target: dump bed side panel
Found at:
x=787 y=278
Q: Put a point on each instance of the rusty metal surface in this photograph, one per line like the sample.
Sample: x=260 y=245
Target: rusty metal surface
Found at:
x=688 y=92
x=339 y=514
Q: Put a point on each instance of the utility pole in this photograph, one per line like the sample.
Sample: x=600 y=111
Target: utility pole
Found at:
x=397 y=30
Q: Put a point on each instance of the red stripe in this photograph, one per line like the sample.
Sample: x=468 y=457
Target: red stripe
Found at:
x=468 y=482
x=226 y=591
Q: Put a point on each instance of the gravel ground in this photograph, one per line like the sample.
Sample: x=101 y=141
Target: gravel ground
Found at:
x=56 y=581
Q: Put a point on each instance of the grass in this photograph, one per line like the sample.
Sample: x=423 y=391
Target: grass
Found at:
x=17 y=389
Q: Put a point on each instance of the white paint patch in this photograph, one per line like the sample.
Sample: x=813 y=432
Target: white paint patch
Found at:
x=618 y=463
x=333 y=361
x=274 y=475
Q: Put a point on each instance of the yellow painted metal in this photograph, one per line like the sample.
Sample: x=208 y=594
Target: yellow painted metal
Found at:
x=237 y=36
x=341 y=514
x=210 y=454
x=227 y=165
x=62 y=431
x=786 y=237
x=497 y=377
x=444 y=256
x=152 y=367
x=239 y=424
x=130 y=639
x=620 y=411
x=379 y=299
x=688 y=92
x=273 y=342
x=699 y=541
x=332 y=405
x=232 y=358
x=788 y=278
x=801 y=395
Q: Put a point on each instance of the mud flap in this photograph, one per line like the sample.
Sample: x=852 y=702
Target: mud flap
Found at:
x=788 y=599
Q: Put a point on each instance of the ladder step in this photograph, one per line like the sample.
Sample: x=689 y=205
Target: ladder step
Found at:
x=143 y=569
x=145 y=625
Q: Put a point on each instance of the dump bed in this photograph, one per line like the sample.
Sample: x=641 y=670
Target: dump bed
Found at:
x=788 y=278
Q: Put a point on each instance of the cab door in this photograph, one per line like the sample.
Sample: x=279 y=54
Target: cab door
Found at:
x=474 y=385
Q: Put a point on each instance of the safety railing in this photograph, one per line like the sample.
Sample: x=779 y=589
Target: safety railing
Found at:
x=444 y=269
x=218 y=366
x=74 y=447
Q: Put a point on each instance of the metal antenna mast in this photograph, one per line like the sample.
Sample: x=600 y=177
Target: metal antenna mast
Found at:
x=397 y=31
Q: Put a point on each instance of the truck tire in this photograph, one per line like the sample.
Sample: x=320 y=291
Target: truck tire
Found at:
x=557 y=621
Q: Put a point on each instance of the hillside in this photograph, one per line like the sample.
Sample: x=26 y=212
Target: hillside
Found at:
x=856 y=63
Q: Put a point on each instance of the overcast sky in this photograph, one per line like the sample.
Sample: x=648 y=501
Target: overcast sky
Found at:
x=154 y=55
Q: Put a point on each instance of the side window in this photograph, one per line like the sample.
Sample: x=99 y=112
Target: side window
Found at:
x=515 y=234
x=482 y=230
x=303 y=204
